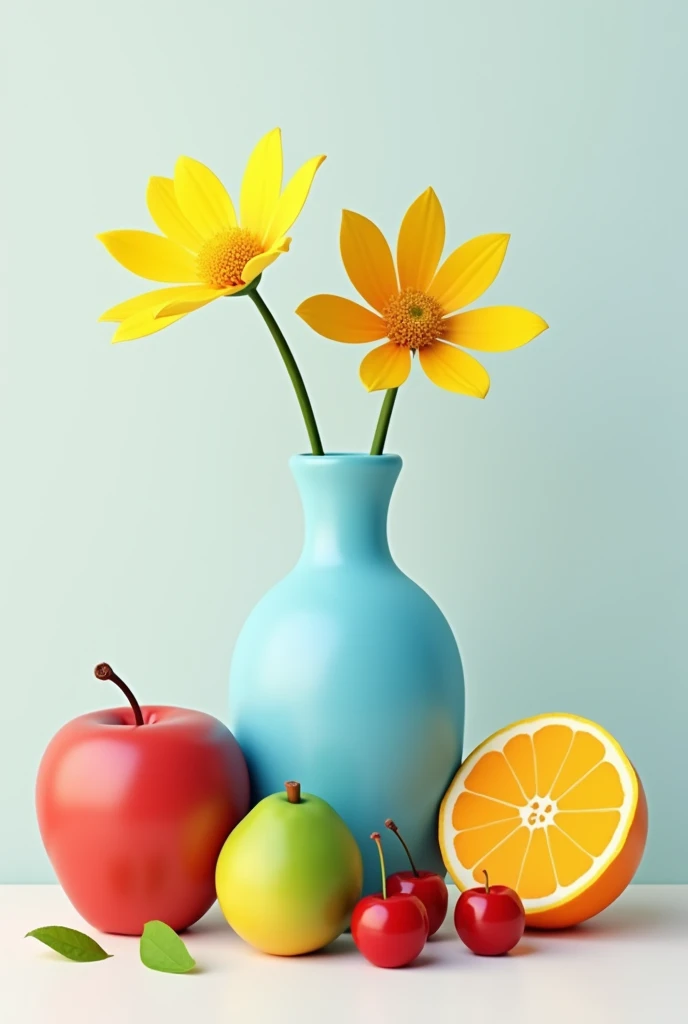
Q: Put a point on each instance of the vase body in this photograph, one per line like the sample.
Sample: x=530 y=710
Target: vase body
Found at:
x=346 y=675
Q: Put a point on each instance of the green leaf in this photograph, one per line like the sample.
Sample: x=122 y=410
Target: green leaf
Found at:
x=162 y=949
x=70 y=943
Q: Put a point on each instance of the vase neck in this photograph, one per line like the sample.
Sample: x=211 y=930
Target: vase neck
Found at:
x=345 y=502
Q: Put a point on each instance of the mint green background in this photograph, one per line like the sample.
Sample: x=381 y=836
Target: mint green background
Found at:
x=147 y=502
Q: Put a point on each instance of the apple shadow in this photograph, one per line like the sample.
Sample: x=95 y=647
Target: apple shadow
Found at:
x=209 y=925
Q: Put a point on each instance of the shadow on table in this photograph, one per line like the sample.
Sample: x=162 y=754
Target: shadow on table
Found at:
x=618 y=922
x=214 y=924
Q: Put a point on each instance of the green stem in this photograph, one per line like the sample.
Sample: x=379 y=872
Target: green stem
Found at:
x=293 y=371
x=375 y=836
x=383 y=422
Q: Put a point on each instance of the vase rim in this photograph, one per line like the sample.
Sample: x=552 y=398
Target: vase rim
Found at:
x=347 y=456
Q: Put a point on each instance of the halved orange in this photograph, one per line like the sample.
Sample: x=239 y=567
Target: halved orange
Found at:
x=552 y=807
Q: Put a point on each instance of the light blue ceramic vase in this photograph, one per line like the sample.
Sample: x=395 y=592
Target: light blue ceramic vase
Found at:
x=346 y=676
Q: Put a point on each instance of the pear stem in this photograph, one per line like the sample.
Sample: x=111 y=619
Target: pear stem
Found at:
x=293 y=792
x=378 y=842
x=103 y=671
x=392 y=827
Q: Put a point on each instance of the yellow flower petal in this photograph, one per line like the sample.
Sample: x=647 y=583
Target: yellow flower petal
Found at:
x=494 y=328
x=188 y=303
x=261 y=184
x=341 y=319
x=141 y=324
x=202 y=198
x=257 y=264
x=291 y=201
x=421 y=240
x=454 y=370
x=147 y=300
x=367 y=259
x=468 y=271
x=387 y=366
x=163 y=208
x=150 y=256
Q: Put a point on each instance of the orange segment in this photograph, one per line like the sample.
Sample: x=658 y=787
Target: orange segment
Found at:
x=593 y=830
x=551 y=744
x=600 y=788
x=586 y=751
x=552 y=807
x=471 y=810
x=537 y=877
x=476 y=843
x=521 y=757
x=503 y=864
x=493 y=777
x=570 y=862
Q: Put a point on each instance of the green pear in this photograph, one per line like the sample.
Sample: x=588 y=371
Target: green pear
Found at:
x=289 y=874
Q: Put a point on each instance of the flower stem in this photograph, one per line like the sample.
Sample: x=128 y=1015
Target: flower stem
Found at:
x=293 y=371
x=383 y=422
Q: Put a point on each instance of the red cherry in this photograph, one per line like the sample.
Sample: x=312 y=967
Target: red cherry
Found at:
x=390 y=931
x=427 y=886
x=490 y=920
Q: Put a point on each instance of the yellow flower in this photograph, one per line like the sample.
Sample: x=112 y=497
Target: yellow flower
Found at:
x=204 y=249
x=412 y=309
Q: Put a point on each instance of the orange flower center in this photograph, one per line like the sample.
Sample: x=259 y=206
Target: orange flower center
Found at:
x=221 y=261
x=413 y=319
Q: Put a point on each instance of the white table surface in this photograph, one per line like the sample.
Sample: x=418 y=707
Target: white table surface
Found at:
x=629 y=964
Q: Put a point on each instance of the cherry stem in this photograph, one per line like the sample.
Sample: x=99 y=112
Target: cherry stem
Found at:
x=487 y=882
x=103 y=671
x=378 y=842
x=392 y=827
x=293 y=792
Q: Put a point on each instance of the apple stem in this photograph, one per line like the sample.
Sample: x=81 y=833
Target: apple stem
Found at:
x=375 y=836
x=293 y=792
x=487 y=881
x=392 y=827
x=103 y=671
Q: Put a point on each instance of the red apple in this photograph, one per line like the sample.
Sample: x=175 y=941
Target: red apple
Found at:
x=428 y=886
x=134 y=805
x=490 y=920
